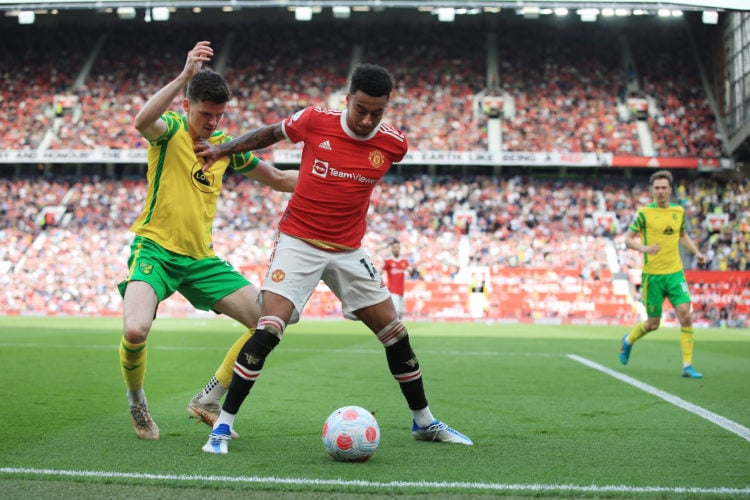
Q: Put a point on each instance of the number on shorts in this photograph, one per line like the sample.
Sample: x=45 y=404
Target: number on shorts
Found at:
x=370 y=270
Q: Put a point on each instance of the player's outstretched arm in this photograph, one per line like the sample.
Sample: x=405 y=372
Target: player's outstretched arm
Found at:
x=148 y=121
x=259 y=138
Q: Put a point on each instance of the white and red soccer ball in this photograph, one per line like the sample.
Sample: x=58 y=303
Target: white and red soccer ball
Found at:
x=351 y=434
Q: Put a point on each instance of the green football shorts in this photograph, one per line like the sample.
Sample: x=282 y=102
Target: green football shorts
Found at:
x=656 y=287
x=203 y=282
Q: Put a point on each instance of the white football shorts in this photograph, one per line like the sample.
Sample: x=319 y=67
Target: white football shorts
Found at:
x=398 y=301
x=296 y=268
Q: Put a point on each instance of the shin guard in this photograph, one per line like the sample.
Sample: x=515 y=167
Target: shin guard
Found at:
x=247 y=368
x=403 y=364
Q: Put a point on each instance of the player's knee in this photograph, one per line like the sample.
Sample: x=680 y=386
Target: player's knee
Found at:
x=651 y=324
x=683 y=315
x=392 y=333
x=686 y=322
x=135 y=334
x=273 y=325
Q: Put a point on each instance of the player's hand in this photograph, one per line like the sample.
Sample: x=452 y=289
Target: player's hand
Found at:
x=201 y=53
x=207 y=152
x=652 y=249
x=701 y=258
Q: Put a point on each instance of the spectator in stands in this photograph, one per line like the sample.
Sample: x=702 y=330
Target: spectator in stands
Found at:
x=657 y=231
x=172 y=249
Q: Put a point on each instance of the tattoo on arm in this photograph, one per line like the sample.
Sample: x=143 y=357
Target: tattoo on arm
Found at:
x=258 y=138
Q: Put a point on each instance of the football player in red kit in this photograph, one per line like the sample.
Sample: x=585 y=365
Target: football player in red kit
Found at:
x=346 y=152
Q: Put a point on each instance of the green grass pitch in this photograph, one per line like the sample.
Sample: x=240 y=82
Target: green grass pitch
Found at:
x=550 y=409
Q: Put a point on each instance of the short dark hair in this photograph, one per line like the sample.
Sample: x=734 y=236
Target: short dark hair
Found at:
x=208 y=85
x=371 y=79
x=661 y=174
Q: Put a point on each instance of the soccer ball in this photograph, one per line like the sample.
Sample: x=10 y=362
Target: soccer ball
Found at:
x=351 y=434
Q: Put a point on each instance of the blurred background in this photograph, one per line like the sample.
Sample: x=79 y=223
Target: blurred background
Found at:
x=533 y=129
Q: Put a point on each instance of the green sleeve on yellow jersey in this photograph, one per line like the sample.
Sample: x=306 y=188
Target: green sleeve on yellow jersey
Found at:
x=242 y=163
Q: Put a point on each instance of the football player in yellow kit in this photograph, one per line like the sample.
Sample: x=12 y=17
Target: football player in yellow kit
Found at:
x=657 y=231
x=172 y=250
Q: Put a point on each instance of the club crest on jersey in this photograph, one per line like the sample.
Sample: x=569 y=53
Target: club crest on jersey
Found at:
x=278 y=275
x=201 y=180
x=376 y=158
x=145 y=268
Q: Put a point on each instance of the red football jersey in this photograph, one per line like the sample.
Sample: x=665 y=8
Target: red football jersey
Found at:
x=337 y=174
x=395 y=270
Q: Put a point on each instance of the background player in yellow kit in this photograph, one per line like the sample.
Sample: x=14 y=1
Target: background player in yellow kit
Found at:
x=657 y=231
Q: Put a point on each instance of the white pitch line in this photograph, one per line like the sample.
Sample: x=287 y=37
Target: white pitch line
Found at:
x=379 y=485
x=712 y=417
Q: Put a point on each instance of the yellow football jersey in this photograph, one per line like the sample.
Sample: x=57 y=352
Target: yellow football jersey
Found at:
x=181 y=200
x=662 y=226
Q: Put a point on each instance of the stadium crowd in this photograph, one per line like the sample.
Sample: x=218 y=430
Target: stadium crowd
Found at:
x=564 y=88
x=67 y=240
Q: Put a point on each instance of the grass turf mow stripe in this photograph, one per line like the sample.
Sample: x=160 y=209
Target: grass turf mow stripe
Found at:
x=379 y=485
x=712 y=417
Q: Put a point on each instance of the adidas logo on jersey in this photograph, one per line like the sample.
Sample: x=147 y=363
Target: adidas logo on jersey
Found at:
x=325 y=145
